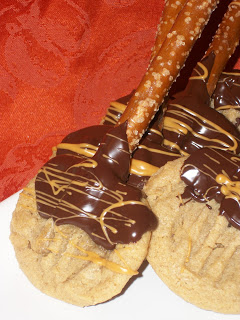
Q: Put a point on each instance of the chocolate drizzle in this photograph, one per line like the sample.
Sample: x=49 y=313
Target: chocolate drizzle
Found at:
x=189 y=122
x=92 y=193
x=214 y=174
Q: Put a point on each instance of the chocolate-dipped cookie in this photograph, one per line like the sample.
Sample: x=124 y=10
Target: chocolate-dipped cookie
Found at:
x=226 y=97
x=79 y=231
x=195 y=249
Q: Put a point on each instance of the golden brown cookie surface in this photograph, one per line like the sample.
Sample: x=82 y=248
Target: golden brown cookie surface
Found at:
x=63 y=262
x=193 y=250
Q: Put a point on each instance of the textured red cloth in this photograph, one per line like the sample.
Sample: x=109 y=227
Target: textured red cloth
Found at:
x=61 y=63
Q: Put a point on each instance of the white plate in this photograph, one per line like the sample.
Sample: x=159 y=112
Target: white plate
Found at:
x=146 y=298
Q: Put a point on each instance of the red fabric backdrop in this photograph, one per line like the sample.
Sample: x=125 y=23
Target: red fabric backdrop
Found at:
x=61 y=63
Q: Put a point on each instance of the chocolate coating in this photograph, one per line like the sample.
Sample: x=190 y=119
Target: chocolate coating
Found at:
x=227 y=92
x=92 y=193
x=189 y=122
x=87 y=139
x=87 y=178
x=150 y=155
x=214 y=174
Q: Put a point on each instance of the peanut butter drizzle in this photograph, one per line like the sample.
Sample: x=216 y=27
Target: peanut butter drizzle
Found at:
x=119 y=107
x=58 y=184
x=91 y=256
x=178 y=126
x=214 y=174
x=174 y=146
x=142 y=168
x=138 y=167
x=188 y=254
x=119 y=217
x=85 y=149
x=227 y=92
x=156 y=131
x=143 y=164
x=227 y=107
x=201 y=76
x=231 y=74
x=114 y=112
x=92 y=193
x=154 y=150
x=189 y=250
x=230 y=189
x=189 y=122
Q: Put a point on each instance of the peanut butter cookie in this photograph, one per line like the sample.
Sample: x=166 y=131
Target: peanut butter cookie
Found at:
x=195 y=249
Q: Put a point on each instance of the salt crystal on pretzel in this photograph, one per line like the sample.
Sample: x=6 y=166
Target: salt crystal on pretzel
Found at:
x=189 y=123
x=169 y=15
x=165 y=67
x=224 y=43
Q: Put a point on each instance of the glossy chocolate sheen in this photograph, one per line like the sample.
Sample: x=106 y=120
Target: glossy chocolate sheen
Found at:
x=92 y=194
x=149 y=156
x=189 y=122
x=227 y=93
x=76 y=162
x=214 y=174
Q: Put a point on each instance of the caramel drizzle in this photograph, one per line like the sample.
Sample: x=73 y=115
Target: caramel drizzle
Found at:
x=60 y=182
x=180 y=127
x=92 y=256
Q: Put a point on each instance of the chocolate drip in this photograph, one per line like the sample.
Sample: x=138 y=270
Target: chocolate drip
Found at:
x=92 y=193
x=214 y=174
x=189 y=123
x=227 y=93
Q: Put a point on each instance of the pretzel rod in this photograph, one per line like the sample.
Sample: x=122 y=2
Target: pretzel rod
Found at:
x=165 y=67
x=169 y=15
x=224 y=43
